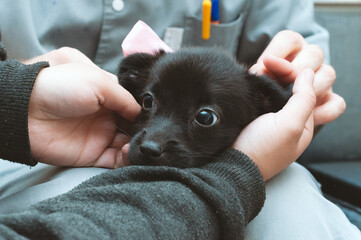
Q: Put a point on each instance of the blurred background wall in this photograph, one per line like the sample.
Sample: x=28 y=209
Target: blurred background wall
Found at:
x=341 y=140
x=334 y=156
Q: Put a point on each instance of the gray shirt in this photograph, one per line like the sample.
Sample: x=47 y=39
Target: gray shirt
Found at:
x=97 y=28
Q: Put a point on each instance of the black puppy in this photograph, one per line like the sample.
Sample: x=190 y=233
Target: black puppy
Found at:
x=195 y=103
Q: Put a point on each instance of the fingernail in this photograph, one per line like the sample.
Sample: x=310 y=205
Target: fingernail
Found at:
x=252 y=72
x=125 y=155
x=256 y=69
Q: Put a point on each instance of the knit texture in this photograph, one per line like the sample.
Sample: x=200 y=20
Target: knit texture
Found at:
x=16 y=83
x=140 y=202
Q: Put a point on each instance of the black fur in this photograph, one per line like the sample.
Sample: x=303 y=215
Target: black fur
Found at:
x=182 y=84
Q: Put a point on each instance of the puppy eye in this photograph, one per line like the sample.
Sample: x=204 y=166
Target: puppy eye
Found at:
x=206 y=118
x=148 y=102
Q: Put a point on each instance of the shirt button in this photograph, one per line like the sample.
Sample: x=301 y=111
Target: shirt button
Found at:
x=118 y=5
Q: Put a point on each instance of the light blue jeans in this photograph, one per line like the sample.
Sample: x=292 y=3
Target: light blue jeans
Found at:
x=294 y=209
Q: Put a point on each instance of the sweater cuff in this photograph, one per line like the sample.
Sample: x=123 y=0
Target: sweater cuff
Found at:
x=16 y=84
x=244 y=175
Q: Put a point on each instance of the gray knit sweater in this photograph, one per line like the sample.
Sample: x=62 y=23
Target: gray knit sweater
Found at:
x=215 y=201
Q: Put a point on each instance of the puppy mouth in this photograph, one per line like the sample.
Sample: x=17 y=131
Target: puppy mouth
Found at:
x=160 y=149
x=168 y=158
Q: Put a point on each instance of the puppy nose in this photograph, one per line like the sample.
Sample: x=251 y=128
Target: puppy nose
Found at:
x=150 y=149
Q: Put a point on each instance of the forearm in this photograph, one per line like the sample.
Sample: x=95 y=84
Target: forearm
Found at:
x=16 y=82
x=214 y=202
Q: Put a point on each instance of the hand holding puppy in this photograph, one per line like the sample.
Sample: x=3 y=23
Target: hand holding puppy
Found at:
x=287 y=56
x=72 y=120
x=275 y=140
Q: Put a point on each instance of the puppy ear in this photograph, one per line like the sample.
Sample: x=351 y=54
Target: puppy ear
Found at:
x=269 y=95
x=134 y=71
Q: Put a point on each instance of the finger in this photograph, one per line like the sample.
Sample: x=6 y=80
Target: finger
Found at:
x=330 y=110
x=285 y=44
x=302 y=102
x=125 y=154
x=306 y=136
x=324 y=79
x=122 y=160
x=119 y=141
x=311 y=56
x=114 y=97
x=109 y=158
x=259 y=69
x=280 y=68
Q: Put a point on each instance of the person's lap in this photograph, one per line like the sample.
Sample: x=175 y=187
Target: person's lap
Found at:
x=22 y=186
x=294 y=207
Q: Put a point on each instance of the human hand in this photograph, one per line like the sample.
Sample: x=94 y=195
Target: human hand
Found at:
x=275 y=140
x=71 y=115
x=286 y=56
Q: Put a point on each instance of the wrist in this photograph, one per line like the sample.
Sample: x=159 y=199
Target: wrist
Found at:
x=243 y=175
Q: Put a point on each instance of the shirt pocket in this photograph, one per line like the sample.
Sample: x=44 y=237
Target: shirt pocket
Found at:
x=224 y=35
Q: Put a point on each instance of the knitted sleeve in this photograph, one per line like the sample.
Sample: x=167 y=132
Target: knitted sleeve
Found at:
x=140 y=202
x=16 y=83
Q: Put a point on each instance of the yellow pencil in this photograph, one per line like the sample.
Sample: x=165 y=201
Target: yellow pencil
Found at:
x=206 y=19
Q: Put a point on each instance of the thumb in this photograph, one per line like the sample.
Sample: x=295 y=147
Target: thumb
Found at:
x=302 y=103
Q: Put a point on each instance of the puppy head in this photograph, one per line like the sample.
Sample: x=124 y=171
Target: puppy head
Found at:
x=194 y=104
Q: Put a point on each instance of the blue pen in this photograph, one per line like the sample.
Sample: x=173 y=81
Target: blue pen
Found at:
x=215 y=12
